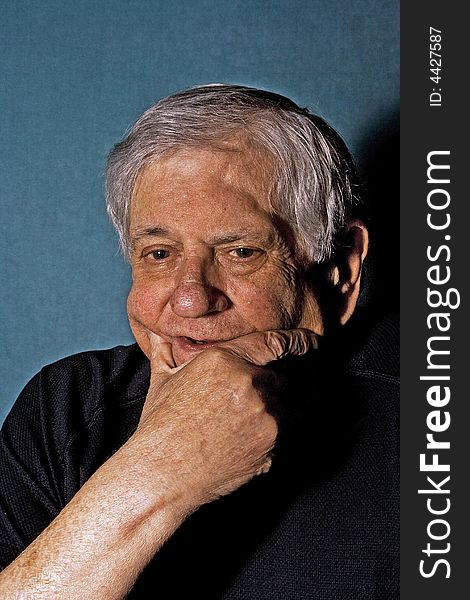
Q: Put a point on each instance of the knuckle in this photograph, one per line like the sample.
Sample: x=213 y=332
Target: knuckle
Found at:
x=276 y=342
x=244 y=381
x=300 y=342
x=310 y=339
x=296 y=341
x=271 y=429
x=265 y=467
x=216 y=356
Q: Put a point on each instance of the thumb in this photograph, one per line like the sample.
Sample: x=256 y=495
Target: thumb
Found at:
x=262 y=347
x=162 y=363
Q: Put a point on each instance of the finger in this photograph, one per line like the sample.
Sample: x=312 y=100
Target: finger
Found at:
x=162 y=362
x=265 y=467
x=262 y=347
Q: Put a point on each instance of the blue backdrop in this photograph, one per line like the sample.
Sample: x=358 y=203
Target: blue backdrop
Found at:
x=76 y=74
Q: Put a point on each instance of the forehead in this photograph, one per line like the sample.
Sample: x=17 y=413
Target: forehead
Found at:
x=203 y=185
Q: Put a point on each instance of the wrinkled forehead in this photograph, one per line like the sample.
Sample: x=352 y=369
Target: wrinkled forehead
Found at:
x=209 y=193
x=232 y=165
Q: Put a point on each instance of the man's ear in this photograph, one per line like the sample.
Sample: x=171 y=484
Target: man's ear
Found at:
x=345 y=274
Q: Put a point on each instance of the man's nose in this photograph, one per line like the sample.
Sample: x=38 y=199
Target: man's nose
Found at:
x=194 y=296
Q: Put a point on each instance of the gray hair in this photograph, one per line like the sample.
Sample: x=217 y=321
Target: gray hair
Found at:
x=314 y=181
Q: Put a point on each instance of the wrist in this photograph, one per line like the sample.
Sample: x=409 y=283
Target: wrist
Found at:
x=155 y=482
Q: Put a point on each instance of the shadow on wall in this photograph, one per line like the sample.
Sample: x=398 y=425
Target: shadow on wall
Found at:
x=380 y=173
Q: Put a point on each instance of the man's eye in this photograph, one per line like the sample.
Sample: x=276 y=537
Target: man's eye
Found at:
x=244 y=252
x=159 y=254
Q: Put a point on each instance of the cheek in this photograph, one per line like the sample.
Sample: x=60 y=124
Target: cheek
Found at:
x=145 y=303
x=144 y=307
x=311 y=316
x=265 y=305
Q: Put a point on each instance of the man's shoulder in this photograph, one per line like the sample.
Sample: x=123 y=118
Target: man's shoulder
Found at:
x=120 y=368
x=70 y=393
x=95 y=379
x=375 y=348
x=77 y=411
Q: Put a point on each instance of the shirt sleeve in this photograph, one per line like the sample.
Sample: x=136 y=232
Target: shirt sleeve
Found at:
x=30 y=472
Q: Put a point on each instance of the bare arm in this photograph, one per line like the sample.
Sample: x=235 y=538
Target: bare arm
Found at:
x=203 y=433
x=101 y=540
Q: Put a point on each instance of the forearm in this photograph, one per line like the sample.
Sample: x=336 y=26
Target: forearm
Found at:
x=204 y=432
x=103 y=538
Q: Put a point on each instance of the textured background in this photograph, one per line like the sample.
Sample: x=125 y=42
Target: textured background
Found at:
x=75 y=75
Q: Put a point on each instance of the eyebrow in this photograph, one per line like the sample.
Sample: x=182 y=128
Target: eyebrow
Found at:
x=142 y=232
x=158 y=231
x=233 y=237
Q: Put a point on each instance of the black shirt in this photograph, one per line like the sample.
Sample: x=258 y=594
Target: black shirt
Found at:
x=323 y=524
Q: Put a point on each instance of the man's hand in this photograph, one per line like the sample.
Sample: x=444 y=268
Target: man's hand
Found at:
x=208 y=418
x=204 y=431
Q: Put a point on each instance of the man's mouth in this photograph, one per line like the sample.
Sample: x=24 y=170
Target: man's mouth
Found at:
x=197 y=342
x=189 y=344
x=193 y=341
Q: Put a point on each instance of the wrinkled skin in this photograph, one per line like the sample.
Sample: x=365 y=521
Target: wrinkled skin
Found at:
x=209 y=262
x=211 y=266
x=214 y=431
x=218 y=292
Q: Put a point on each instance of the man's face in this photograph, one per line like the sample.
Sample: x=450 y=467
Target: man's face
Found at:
x=209 y=262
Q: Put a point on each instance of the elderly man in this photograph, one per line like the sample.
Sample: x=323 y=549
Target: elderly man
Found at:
x=245 y=447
